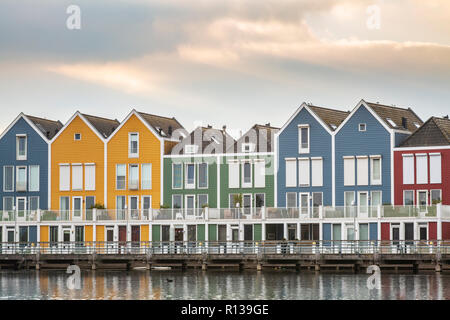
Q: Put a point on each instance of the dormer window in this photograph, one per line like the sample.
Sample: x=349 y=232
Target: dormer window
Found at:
x=77 y=137
x=190 y=148
x=362 y=127
x=248 y=147
x=391 y=122
x=21 y=147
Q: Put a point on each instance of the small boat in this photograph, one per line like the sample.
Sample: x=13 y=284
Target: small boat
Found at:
x=161 y=268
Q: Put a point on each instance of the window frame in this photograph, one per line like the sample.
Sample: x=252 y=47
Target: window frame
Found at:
x=362 y=124
x=130 y=154
x=181 y=175
x=38 y=177
x=302 y=150
x=426 y=200
x=13 y=176
x=404 y=193
x=295 y=197
x=125 y=180
x=75 y=136
x=133 y=165
x=243 y=183
x=18 y=156
x=142 y=176
x=206 y=175
x=431 y=195
x=26 y=177
x=372 y=180
x=188 y=185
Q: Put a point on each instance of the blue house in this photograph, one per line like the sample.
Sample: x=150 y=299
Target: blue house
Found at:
x=304 y=160
x=24 y=150
x=364 y=145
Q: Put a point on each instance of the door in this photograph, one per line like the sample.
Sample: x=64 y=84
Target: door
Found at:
x=77 y=203
x=146 y=206
x=66 y=235
x=247 y=204
x=134 y=207
x=375 y=201
x=409 y=233
x=304 y=204
x=79 y=236
x=21 y=205
x=395 y=234
x=363 y=235
x=23 y=236
x=423 y=232
x=337 y=236
x=363 y=205
x=179 y=234
x=292 y=231
x=122 y=236
x=135 y=236
x=90 y=203
x=422 y=201
x=349 y=204
x=248 y=232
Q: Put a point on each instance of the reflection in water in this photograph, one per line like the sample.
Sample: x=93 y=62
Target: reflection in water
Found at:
x=220 y=285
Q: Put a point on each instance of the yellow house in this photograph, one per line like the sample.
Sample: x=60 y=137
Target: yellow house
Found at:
x=135 y=168
x=77 y=182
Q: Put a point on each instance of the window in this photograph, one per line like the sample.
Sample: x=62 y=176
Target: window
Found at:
x=191 y=148
x=304 y=203
x=303 y=171
x=391 y=122
x=435 y=168
x=421 y=168
x=233 y=174
x=247 y=175
x=291 y=172
x=64 y=177
x=291 y=200
x=375 y=170
x=146 y=178
x=247 y=203
x=408 y=169
x=64 y=204
x=260 y=200
x=202 y=200
x=89 y=177
x=177 y=201
x=190 y=176
x=133 y=145
x=21 y=178
x=317 y=200
x=133 y=180
x=303 y=139
x=177 y=174
x=363 y=203
x=363 y=170
x=121 y=172
x=34 y=178
x=260 y=173
x=8 y=178
x=77 y=177
x=349 y=171
x=317 y=172
x=408 y=197
x=248 y=147
x=422 y=200
x=362 y=127
x=436 y=196
x=375 y=198
x=77 y=136
x=21 y=147
x=8 y=203
x=231 y=200
x=121 y=202
x=203 y=175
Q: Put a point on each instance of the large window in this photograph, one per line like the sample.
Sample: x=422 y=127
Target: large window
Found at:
x=121 y=175
x=260 y=173
x=317 y=201
x=247 y=175
x=422 y=200
x=21 y=178
x=303 y=171
x=34 y=203
x=291 y=172
x=303 y=139
x=304 y=203
x=64 y=177
x=375 y=172
x=34 y=178
x=133 y=180
x=177 y=201
x=436 y=196
x=190 y=176
x=203 y=175
x=233 y=174
x=317 y=172
x=408 y=169
x=89 y=177
x=8 y=178
x=64 y=204
x=21 y=147
x=177 y=174
x=146 y=176
x=408 y=197
x=202 y=200
x=349 y=171
x=435 y=168
x=363 y=170
x=133 y=145
x=291 y=200
x=421 y=168
x=121 y=202
x=8 y=203
x=77 y=177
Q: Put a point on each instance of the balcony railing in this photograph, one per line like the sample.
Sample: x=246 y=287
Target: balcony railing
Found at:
x=203 y=214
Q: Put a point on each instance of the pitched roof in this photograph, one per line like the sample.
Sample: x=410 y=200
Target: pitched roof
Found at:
x=103 y=125
x=208 y=141
x=264 y=139
x=434 y=132
x=393 y=116
x=49 y=128
x=164 y=126
x=332 y=117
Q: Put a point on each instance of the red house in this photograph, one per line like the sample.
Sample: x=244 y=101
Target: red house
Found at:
x=422 y=171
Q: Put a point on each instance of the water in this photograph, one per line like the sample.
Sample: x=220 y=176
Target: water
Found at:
x=220 y=285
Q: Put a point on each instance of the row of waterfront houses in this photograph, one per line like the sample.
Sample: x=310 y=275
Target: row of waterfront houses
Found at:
x=375 y=173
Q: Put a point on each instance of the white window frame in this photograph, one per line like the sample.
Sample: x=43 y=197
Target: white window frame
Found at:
x=315 y=180
x=173 y=176
x=300 y=148
x=142 y=176
x=362 y=177
x=125 y=182
x=133 y=155
x=362 y=124
x=26 y=177
x=413 y=198
x=411 y=178
x=346 y=174
x=12 y=203
x=359 y=203
x=187 y=185
x=198 y=199
x=300 y=194
x=440 y=195
x=425 y=172
x=292 y=175
x=38 y=202
x=296 y=199
x=129 y=175
x=435 y=172
x=182 y=202
x=372 y=180
x=81 y=182
x=86 y=186
x=207 y=175
x=418 y=200
x=19 y=157
x=13 y=182
x=371 y=197
x=246 y=184
x=38 y=177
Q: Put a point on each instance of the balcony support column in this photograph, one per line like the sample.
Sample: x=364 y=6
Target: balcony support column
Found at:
x=439 y=220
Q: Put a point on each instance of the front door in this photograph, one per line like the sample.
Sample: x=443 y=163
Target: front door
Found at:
x=79 y=236
x=179 y=234
x=135 y=235
x=395 y=234
x=77 y=206
x=21 y=205
x=248 y=232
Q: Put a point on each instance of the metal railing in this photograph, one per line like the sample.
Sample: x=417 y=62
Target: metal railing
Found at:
x=403 y=247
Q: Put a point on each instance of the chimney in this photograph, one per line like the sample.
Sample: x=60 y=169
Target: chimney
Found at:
x=404 y=122
x=268 y=124
x=445 y=117
x=224 y=127
x=170 y=130
x=209 y=126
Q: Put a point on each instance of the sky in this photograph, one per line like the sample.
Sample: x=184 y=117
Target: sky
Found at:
x=233 y=62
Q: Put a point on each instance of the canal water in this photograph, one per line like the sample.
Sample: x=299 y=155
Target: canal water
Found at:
x=220 y=285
